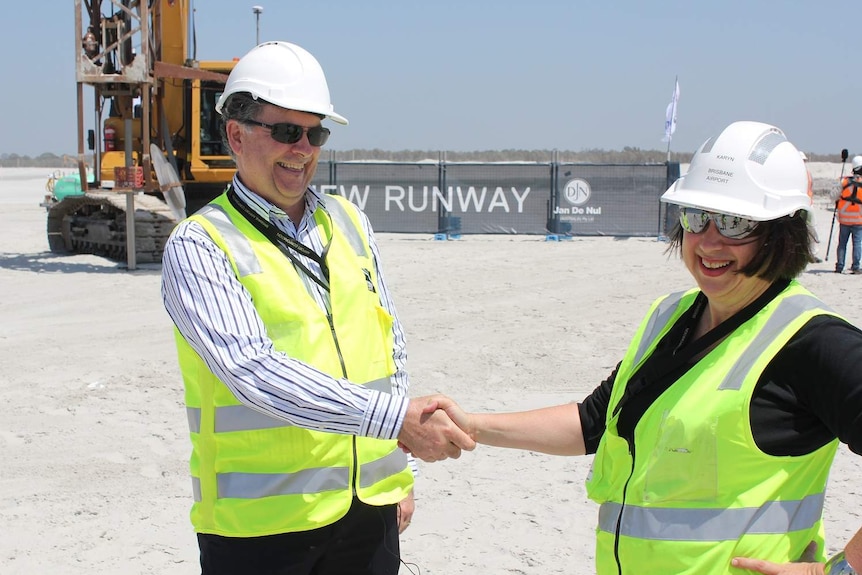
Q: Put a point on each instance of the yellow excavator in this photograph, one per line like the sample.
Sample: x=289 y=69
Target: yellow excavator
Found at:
x=156 y=145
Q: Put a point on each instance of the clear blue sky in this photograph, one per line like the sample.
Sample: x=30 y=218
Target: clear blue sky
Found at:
x=494 y=74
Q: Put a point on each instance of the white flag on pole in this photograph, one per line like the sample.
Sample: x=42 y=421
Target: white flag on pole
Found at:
x=670 y=114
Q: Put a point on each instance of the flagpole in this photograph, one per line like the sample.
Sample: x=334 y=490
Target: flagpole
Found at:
x=673 y=115
x=668 y=150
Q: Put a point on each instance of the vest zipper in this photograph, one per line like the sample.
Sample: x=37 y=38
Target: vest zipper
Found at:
x=355 y=469
x=618 y=527
x=354 y=479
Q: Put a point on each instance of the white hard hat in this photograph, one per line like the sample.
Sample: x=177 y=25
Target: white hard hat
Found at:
x=749 y=170
x=282 y=74
x=857 y=163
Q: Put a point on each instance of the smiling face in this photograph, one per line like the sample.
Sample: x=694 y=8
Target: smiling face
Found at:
x=277 y=172
x=714 y=261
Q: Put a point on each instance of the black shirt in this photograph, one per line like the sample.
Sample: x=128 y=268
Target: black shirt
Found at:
x=809 y=394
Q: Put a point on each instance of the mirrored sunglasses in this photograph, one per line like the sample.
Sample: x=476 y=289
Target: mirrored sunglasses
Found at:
x=733 y=227
x=287 y=133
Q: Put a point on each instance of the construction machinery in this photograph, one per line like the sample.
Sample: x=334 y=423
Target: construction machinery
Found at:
x=156 y=144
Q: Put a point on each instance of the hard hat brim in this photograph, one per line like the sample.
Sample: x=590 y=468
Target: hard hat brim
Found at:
x=721 y=203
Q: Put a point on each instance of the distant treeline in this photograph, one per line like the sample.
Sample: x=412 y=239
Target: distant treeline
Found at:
x=627 y=155
x=42 y=161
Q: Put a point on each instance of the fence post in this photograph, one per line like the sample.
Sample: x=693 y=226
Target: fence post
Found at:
x=332 y=169
x=663 y=209
x=554 y=218
x=442 y=215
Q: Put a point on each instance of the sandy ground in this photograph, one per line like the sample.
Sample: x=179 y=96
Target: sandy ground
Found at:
x=93 y=436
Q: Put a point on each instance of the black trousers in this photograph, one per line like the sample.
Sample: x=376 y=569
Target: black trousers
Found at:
x=363 y=542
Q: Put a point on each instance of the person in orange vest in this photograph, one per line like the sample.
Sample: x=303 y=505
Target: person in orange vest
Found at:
x=849 y=210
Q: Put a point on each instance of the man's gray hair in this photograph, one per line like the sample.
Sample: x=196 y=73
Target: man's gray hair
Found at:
x=240 y=106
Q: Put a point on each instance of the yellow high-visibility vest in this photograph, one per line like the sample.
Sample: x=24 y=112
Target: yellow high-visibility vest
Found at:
x=695 y=490
x=256 y=475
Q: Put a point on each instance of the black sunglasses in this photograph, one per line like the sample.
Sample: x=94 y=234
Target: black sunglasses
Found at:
x=287 y=133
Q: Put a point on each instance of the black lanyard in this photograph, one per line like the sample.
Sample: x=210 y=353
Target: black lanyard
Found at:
x=284 y=242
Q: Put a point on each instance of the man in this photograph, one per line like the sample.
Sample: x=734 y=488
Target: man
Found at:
x=849 y=211
x=291 y=352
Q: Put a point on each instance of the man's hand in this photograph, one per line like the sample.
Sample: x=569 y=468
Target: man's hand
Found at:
x=405 y=510
x=429 y=433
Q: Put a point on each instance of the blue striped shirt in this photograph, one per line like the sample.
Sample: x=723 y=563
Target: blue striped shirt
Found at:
x=214 y=312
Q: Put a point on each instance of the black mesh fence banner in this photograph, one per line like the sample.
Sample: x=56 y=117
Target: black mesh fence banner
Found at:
x=455 y=198
x=498 y=198
x=609 y=200
x=396 y=197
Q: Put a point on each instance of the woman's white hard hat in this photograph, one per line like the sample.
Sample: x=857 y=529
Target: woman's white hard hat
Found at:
x=282 y=74
x=749 y=170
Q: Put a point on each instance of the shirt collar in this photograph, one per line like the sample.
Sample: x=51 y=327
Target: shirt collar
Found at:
x=267 y=209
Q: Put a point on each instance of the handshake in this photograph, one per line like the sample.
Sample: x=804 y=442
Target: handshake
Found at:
x=435 y=428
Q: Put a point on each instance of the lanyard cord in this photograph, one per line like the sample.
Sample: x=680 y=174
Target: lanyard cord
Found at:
x=284 y=242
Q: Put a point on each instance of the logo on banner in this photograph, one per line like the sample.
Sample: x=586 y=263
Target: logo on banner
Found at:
x=577 y=192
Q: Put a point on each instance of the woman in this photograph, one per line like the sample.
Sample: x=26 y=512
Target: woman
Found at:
x=714 y=435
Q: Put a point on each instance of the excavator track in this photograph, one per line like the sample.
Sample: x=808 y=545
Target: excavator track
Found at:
x=95 y=223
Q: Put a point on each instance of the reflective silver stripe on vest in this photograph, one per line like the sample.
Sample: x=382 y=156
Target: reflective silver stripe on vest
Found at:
x=344 y=223
x=242 y=418
x=194 y=416
x=246 y=260
x=788 y=309
x=196 y=489
x=773 y=517
x=235 y=418
x=239 y=246
x=306 y=481
x=384 y=384
x=660 y=317
x=374 y=471
x=230 y=418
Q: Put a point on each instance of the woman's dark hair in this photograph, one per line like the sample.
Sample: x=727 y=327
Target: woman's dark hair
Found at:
x=786 y=247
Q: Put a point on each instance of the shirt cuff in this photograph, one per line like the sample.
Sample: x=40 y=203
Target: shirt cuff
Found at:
x=384 y=415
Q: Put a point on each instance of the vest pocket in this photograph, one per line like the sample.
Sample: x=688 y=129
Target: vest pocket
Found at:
x=383 y=360
x=607 y=471
x=683 y=465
